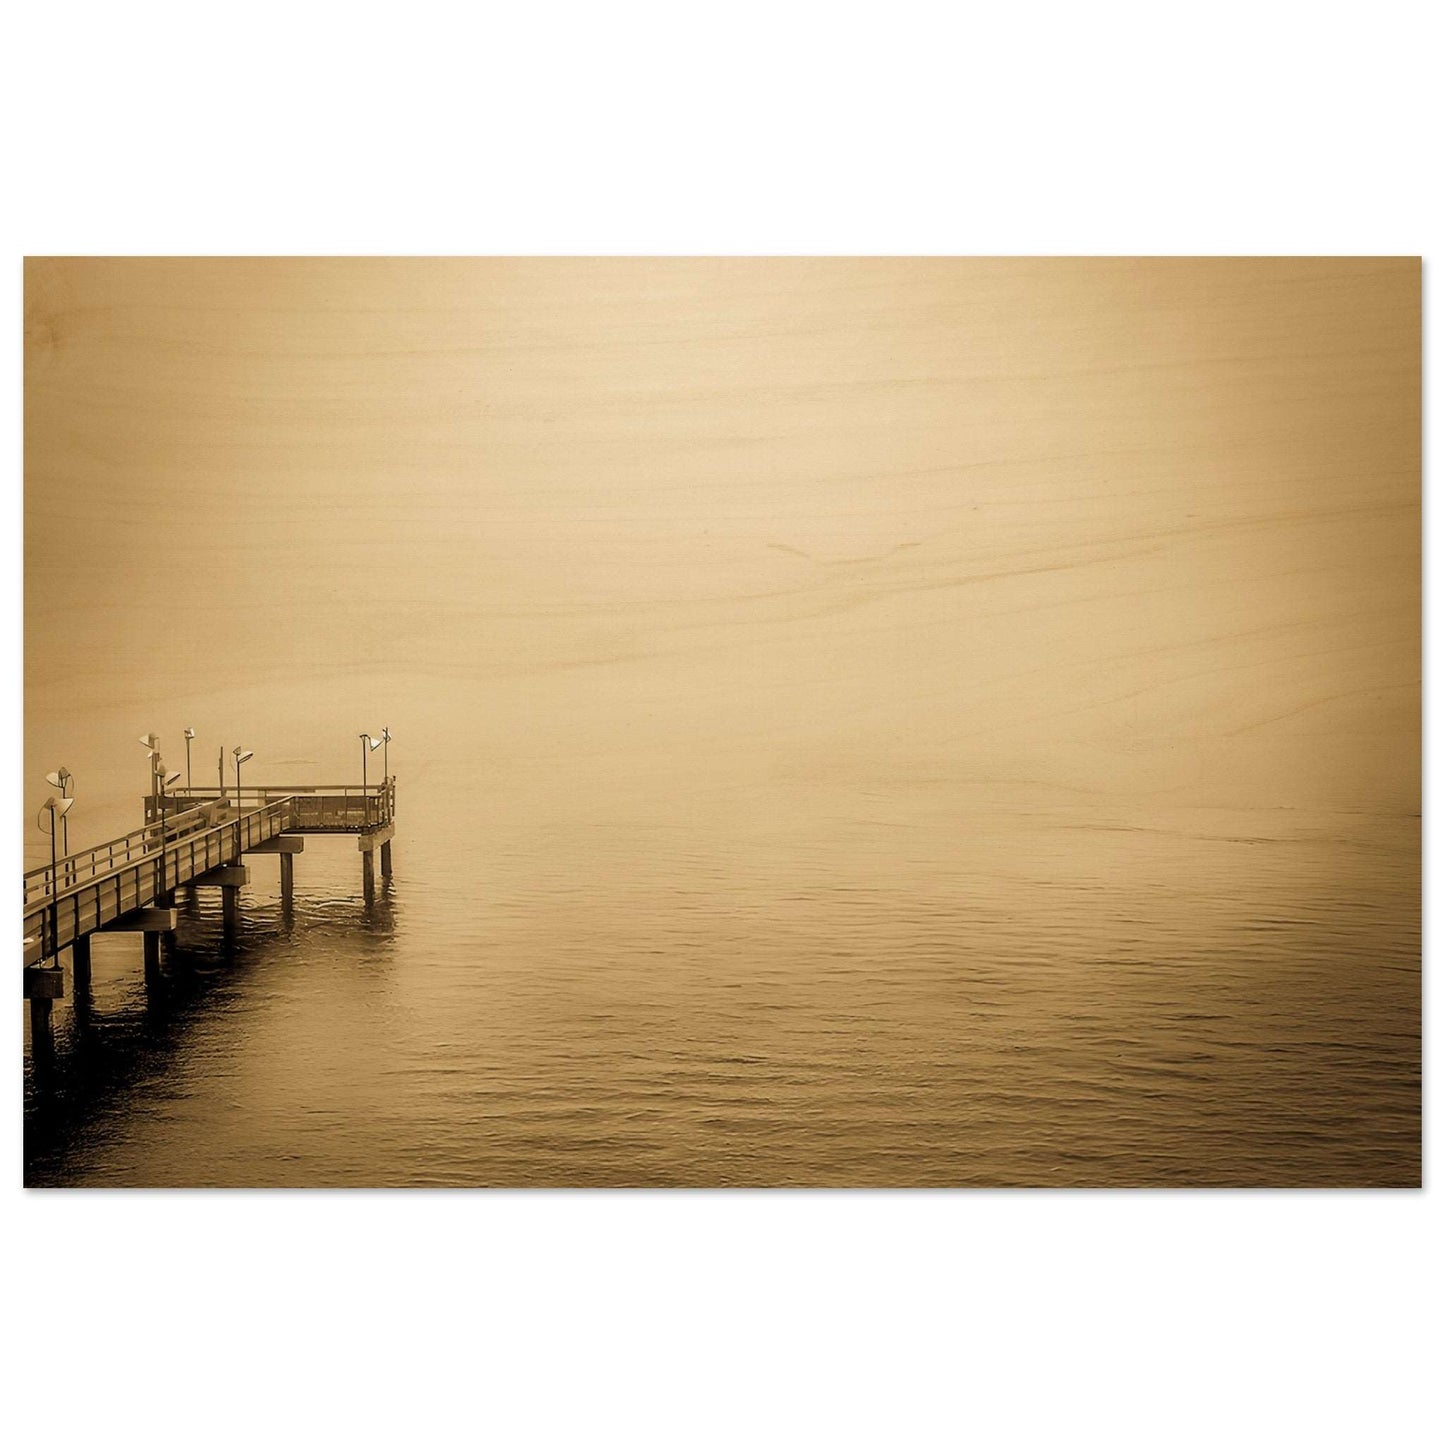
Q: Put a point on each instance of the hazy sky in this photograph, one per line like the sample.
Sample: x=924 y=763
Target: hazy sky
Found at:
x=1122 y=531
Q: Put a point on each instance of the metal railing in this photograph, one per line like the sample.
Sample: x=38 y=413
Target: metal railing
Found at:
x=319 y=807
x=141 y=869
x=104 y=858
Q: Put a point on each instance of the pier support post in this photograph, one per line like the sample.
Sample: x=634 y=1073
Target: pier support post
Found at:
x=370 y=842
x=42 y=987
x=150 y=922
x=80 y=964
x=287 y=845
x=152 y=945
x=230 y=879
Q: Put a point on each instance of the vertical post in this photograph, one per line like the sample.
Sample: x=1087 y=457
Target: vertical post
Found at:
x=151 y=942
x=42 y=986
x=368 y=874
x=230 y=908
x=80 y=965
x=386 y=859
x=54 y=890
x=288 y=880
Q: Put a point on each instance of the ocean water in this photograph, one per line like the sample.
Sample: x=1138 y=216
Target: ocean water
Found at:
x=856 y=723
x=669 y=1005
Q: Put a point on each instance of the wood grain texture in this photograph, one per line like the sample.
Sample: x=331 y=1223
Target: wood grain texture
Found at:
x=1127 y=529
x=859 y=721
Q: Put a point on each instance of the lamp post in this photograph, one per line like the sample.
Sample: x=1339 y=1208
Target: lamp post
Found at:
x=386 y=760
x=166 y=779
x=190 y=733
x=369 y=745
x=62 y=778
x=241 y=755
x=45 y=820
x=151 y=743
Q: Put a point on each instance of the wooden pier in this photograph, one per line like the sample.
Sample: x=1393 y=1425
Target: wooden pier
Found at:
x=195 y=838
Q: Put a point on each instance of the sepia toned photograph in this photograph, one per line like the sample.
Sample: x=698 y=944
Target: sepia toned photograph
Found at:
x=695 y=722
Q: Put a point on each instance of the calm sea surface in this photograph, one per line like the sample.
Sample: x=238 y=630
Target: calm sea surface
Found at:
x=873 y=724
x=716 y=995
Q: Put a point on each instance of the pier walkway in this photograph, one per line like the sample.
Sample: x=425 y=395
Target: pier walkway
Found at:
x=191 y=838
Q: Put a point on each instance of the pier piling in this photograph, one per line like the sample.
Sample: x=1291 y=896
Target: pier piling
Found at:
x=43 y=985
x=152 y=944
x=80 y=963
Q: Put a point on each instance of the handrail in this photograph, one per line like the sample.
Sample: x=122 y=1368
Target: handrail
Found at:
x=133 y=884
x=116 y=851
x=172 y=842
x=372 y=806
x=341 y=807
x=274 y=788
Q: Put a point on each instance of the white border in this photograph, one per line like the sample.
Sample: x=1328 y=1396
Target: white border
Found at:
x=1029 y=129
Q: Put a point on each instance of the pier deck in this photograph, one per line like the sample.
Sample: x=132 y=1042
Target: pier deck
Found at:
x=188 y=838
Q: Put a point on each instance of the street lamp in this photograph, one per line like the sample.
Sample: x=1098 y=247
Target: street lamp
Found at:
x=62 y=778
x=151 y=743
x=50 y=809
x=241 y=755
x=190 y=733
x=166 y=779
x=369 y=745
x=386 y=759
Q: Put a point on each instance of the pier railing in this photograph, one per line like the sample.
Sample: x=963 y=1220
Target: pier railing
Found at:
x=105 y=858
x=131 y=872
x=317 y=808
x=187 y=833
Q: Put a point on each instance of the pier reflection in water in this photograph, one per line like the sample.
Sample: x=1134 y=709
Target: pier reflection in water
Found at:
x=123 y=1048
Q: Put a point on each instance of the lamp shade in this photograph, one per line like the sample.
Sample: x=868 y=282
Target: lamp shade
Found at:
x=52 y=808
